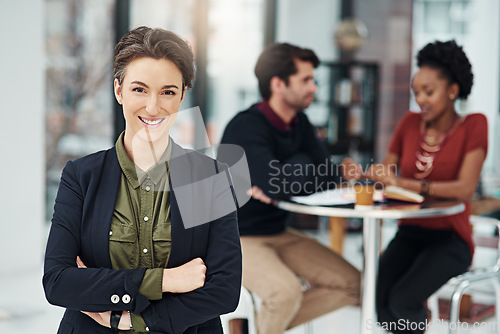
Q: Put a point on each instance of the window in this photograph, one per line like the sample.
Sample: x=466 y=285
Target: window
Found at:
x=442 y=16
x=475 y=25
x=79 y=56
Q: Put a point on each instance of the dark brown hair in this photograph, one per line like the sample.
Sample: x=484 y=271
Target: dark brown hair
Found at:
x=278 y=60
x=157 y=44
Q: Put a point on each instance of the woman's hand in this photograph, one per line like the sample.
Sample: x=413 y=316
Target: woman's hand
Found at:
x=188 y=277
x=103 y=319
x=351 y=170
x=259 y=195
x=382 y=173
x=80 y=263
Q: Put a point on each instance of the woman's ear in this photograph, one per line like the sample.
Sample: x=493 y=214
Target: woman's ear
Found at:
x=453 y=91
x=184 y=93
x=118 y=91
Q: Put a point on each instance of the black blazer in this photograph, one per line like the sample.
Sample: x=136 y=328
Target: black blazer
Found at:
x=80 y=226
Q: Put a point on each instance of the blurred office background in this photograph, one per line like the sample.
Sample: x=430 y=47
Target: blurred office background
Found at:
x=57 y=101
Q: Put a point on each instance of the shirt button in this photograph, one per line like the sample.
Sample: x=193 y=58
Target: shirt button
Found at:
x=146 y=218
x=145 y=250
x=147 y=328
x=110 y=232
x=148 y=188
x=126 y=299
x=115 y=299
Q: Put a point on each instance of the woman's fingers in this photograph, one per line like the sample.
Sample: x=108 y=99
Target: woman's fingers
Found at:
x=194 y=271
x=351 y=170
x=188 y=277
x=198 y=270
x=104 y=319
x=101 y=318
x=379 y=172
x=80 y=263
x=370 y=172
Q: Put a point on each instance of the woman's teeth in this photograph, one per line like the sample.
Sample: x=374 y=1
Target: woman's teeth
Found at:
x=149 y=122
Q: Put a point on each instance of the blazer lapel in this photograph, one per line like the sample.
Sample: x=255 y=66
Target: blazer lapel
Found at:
x=181 y=238
x=104 y=207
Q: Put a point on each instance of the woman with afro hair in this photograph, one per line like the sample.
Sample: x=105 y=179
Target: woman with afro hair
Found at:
x=438 y=153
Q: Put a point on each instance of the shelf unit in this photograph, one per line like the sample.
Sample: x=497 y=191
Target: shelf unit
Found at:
x=351 y=100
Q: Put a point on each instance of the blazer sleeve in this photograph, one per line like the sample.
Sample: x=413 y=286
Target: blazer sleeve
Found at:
x=176 y=312
x=89 y=289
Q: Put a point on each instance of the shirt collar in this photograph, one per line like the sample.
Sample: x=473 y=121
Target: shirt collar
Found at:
x=273 y=117
x=133 y=173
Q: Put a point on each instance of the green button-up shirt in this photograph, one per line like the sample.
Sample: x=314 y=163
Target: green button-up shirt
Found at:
x=140 y=235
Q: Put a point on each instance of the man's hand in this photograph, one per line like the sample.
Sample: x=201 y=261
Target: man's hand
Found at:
x=259 y=195
x=188 y=277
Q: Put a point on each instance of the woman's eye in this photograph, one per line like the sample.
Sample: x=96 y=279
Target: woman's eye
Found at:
x=169 y=92
x=138 y=89
x=429 y=93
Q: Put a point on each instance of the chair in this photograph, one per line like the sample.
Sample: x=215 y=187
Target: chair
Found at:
x=246 y=309
x=460 y=283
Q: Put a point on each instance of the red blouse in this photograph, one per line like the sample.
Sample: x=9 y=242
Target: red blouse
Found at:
x=471 y=133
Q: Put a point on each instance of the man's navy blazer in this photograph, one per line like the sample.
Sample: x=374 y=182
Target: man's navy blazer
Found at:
x=80 y=227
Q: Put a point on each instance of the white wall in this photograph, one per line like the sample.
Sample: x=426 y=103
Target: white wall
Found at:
x=483 y=48
x=309 y=24
x=481 y=43
x=22 y=137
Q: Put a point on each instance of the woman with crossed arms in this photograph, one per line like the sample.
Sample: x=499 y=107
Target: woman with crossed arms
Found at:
x=132 y=247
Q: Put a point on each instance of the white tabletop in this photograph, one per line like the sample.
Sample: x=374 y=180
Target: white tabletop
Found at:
x=392 y=209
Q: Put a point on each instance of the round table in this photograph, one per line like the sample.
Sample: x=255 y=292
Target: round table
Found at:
x=371 y=229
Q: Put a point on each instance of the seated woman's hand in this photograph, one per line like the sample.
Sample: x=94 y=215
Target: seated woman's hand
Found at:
x=351 y=170
x=382 y=173
x=188 y=277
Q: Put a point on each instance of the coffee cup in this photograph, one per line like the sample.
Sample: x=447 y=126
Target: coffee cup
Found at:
x=364 y=193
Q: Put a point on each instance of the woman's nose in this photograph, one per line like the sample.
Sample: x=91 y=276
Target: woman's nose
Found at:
x=153 y=106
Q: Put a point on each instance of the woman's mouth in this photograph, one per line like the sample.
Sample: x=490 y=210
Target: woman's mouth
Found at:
x=151 y=122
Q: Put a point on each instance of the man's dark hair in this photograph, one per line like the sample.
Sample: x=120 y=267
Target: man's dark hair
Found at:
x=278 y=60
x=451 y=61
x=157 y=44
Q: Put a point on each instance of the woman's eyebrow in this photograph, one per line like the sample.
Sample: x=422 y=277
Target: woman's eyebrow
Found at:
x=170 y=86
x=140 y=83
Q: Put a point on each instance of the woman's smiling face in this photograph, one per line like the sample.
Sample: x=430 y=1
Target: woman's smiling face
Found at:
x=433 y=93
x=151 y=94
